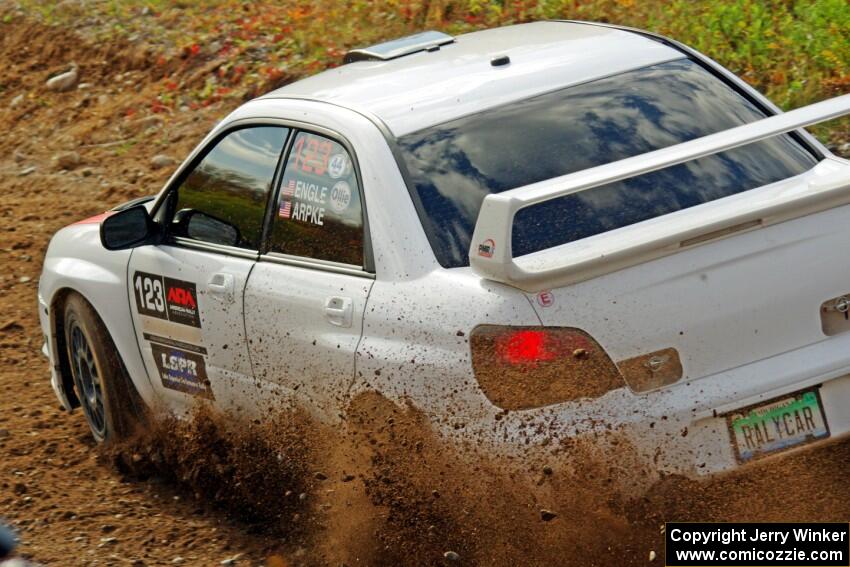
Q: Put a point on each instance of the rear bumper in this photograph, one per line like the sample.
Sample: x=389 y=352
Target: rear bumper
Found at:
x=713 y=443
x=695 y=438
x=682 y=429
x=702 y=443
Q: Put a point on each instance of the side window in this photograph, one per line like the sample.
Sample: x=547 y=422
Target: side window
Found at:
x=319 y=213
x=223 y=200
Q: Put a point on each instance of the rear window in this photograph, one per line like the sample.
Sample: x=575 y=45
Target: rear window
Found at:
x=453 y=166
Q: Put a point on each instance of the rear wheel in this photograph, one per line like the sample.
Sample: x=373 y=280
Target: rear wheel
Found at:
x=109 y=401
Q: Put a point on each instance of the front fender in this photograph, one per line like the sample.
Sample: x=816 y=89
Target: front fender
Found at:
x=76 y=261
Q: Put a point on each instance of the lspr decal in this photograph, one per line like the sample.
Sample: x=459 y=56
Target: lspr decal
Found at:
x=182 y=370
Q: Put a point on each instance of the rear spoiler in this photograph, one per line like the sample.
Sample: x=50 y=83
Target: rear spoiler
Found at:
x=490 y=252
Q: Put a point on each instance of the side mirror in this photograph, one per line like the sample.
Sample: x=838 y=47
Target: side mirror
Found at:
x=127 y=229
x=207 y=228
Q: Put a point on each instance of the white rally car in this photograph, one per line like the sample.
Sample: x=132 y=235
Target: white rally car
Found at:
x=534 y=234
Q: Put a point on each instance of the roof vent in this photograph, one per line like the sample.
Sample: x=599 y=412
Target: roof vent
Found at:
x=500 y=60
x=425 y=41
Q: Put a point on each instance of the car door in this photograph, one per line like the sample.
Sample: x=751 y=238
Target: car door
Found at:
x=187 y=292
x=305 y=297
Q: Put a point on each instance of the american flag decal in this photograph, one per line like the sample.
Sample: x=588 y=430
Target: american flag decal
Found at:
x=286 y=209
x=289 y=188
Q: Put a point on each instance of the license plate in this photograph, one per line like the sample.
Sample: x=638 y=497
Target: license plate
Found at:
x=786 y=422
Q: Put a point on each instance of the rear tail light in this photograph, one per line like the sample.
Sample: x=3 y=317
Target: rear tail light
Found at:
x=528 y=346
x=528 y=367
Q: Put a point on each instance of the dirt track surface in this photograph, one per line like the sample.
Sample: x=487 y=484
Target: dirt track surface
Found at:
x=70 y=507
x=386 y=494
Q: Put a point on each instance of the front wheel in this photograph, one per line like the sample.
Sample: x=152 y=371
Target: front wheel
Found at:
x=107 y=396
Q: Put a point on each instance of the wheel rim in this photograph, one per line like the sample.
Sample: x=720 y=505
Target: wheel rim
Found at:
x=88 y=379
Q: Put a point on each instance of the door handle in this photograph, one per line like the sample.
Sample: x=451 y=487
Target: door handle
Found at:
x=221 y=284
x=338 y=311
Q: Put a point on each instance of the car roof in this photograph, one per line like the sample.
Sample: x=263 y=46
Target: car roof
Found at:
x=422 y=89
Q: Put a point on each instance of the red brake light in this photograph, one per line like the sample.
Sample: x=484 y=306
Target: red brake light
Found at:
x=522 y=347
x=526 y=367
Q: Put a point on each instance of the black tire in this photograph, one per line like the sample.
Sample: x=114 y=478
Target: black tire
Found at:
x=7 y=542
x=110 y=403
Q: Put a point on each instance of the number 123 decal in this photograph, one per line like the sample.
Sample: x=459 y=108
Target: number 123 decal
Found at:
x=166 y=298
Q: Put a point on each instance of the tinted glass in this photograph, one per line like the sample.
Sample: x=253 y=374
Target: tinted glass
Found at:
x=453 y=166
x=231 y=186
x=319 y=211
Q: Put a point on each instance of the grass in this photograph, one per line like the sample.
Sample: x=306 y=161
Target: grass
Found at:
x=795 y=51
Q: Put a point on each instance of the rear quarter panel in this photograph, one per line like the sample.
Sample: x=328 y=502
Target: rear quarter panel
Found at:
x=415 y=345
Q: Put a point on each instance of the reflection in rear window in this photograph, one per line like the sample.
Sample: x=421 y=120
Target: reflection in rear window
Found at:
x=453 y=166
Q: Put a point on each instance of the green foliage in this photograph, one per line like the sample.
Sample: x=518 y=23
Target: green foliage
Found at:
x=796 y=51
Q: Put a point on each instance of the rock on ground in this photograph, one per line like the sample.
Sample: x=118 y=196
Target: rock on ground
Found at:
x=64 y=81
x=67 y=160
x=161 y=160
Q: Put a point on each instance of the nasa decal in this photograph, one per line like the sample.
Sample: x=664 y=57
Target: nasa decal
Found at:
x=166 y=298
x=182 y=369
